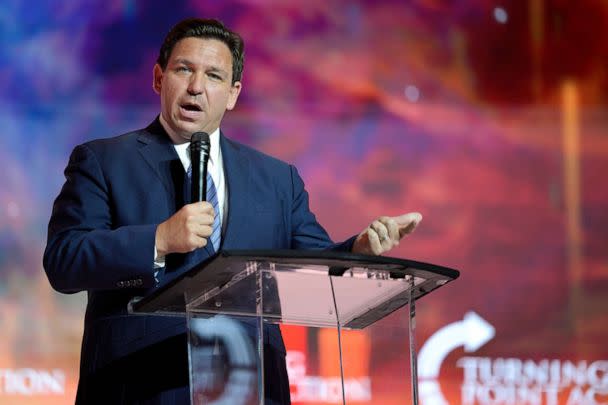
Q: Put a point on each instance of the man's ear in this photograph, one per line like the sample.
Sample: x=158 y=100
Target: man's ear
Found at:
x=235 y=90
x=157 y=74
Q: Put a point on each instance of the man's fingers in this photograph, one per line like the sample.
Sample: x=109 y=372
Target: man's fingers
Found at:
x=204 y=231
x=195 y=242
x=392 y=228
x=380 y=229
x=198 y=208
x=186 y=230
x=374 y=241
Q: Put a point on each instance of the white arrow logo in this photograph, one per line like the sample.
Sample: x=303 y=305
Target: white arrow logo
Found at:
x=472 y=333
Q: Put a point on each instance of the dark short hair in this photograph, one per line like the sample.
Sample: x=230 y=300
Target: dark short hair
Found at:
x=209 y=29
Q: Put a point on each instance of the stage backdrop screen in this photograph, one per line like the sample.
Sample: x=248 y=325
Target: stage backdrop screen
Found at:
x=488 y=117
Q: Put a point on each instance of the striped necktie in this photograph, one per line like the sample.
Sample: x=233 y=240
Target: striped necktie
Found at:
x=216 y=234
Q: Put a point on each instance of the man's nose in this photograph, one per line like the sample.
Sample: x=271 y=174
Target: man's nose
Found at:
x=197 y=84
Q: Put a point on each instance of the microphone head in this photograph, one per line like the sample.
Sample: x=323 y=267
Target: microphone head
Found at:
x=199 y=137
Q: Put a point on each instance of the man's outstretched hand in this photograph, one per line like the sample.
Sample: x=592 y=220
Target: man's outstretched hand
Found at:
x=385 y=233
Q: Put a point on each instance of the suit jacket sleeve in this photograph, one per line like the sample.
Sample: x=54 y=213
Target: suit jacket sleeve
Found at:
x=84 y=250
x=307 y=233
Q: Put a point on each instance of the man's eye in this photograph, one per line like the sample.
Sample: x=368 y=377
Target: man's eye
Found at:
x=215 y=76
x=183 y=69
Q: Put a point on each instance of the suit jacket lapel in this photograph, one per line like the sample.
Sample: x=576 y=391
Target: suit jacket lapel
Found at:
x=158 y=151
x=237 y=171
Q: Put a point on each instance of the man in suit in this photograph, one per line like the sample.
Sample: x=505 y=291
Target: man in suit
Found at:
x=122 y=225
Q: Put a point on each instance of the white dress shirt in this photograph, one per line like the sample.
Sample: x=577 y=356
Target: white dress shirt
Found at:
x=215 y=168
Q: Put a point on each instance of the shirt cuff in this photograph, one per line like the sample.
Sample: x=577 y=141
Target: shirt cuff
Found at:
x=159 y=262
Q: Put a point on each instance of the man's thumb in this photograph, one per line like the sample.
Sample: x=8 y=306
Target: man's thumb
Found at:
x=408 y=222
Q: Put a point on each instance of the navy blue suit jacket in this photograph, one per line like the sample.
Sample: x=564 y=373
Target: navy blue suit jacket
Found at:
x=102 y=232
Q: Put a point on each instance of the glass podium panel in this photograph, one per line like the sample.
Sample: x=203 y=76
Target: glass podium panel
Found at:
x=297 y=287
x=235 y=302
x=224 y=361
x=304 y=295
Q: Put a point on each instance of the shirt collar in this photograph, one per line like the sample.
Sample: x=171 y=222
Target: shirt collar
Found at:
x=183 y=150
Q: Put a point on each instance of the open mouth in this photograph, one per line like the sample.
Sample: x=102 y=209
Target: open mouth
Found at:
x=191 y=107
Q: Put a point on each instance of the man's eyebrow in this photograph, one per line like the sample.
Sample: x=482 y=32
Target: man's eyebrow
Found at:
x=183 y=61
x=216 y=69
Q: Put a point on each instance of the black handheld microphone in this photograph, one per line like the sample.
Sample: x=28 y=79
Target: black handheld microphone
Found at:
x=199 y=156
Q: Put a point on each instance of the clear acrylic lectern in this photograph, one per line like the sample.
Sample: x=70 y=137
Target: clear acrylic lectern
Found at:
x=233 y=300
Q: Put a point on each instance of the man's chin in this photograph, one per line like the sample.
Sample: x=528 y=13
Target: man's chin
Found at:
x=186 y=130
x=181 y=131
